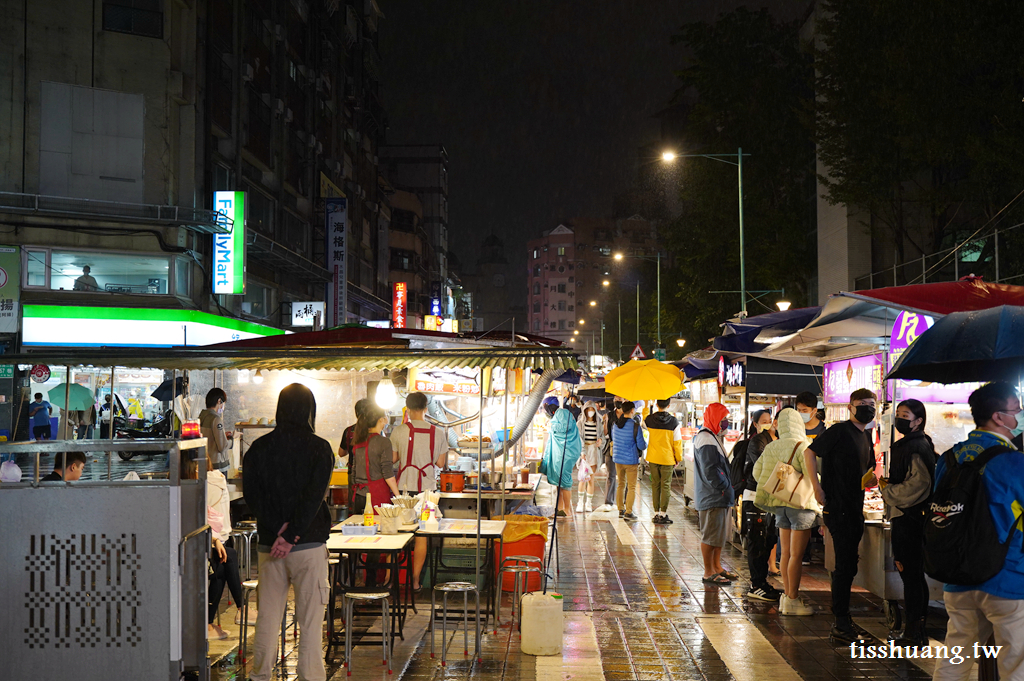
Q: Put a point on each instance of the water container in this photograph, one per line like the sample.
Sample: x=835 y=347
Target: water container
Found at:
x=542 y=624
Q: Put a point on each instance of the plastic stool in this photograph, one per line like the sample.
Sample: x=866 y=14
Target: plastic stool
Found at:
x=366 y=596
x=449 y=588
x=521 y=576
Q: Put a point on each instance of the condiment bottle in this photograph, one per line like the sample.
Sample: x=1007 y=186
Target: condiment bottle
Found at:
x=368 y=512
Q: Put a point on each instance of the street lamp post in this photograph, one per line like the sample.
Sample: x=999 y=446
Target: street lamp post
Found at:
x=657 y=260
x=669 y=157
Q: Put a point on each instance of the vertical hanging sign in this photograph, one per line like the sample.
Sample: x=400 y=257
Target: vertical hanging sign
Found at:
x=336 y=215
x=398 y=302
x=229 y=249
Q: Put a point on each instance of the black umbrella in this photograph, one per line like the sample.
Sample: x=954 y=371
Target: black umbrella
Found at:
x=163 y=391
x=986 y=345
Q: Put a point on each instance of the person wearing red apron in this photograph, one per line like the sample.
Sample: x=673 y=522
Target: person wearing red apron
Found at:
x=372 y=456
x=421 y=448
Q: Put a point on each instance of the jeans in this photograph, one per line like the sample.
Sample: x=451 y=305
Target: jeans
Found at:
x=609 y=495
x=908 y=552
x=224 y=573
x=661 y=484
x=626 y=475
x=846 y=530
x=85 y=432
x=760 y=538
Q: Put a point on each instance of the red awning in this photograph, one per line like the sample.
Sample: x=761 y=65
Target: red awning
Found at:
x=970 y=293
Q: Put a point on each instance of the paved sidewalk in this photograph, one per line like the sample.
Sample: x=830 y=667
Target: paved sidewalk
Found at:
x=636 y=610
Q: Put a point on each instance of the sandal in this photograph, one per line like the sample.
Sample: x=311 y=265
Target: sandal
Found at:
x=718 y=579
x=731 y=576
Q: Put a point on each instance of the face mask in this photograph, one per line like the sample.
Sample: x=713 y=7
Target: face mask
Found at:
x=805 y=417
x=903 y=426
x=761 y=427
x=864 y=413
x=220 y=409
x=723 y=426
x=1020 y=425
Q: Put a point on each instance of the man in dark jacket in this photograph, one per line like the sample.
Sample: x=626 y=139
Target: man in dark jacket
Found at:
x=760 y=526
x=285 y=475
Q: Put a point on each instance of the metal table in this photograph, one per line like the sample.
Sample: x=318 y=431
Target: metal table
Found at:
x=463 y=504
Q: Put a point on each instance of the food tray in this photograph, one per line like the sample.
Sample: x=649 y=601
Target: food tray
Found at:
x=359 y=530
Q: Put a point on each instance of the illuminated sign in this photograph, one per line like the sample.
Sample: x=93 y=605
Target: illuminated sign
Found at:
x=907 y=328
x=844 y=376
x=435 y=307
x=54 y=325
x=229 y=249
x=336 y=231
x=304 y=313
x=398 y=302
x=452 y=382
x=430 y=322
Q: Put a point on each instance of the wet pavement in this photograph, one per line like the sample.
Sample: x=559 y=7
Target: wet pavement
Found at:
x=635 y=610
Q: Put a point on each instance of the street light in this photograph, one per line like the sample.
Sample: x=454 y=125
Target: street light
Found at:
x=783 y=305
x=583 y=321
x=721 y=158
x=668 y=156
x=656 y=259
x=593 y=303
x=680 y=342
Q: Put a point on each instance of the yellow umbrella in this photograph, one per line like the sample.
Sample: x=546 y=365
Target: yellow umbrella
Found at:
x=644 y=379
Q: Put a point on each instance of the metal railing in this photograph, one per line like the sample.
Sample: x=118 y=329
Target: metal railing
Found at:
x=200 y=220
x=989 y=256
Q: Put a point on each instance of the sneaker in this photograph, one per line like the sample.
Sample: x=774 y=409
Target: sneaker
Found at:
x=773 y=593
x=665 y=520
x=621 y=513
x=798 y=607
x=760 y=594
x=844 y=633
x=588 y=507
x=783 y=604
x=657 y=519
x=579 y=506
x=628 y=516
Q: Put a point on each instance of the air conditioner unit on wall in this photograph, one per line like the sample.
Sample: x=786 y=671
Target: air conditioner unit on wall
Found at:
x=279 y=107
x=319 y=148
x=248 y=73
x=311 y=142
x=279 y=32
x=288 y=116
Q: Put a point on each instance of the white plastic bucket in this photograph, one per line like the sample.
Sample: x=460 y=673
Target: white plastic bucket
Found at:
x=542 y=623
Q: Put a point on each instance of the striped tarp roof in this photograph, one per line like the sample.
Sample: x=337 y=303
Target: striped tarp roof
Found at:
x=352 y=359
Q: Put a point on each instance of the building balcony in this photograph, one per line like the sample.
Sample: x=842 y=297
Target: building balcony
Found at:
x=196 y=219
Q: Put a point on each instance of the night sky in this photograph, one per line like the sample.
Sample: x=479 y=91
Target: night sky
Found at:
x=541 y=105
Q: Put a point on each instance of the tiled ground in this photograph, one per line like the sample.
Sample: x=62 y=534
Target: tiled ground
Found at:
x=636 y=609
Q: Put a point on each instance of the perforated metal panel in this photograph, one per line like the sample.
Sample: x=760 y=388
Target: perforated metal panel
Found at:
x=90 y=582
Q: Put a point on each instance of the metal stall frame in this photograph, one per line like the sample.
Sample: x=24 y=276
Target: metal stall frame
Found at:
x=105 y=576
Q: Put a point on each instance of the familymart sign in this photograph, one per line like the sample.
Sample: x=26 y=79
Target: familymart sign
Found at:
x=229 y=248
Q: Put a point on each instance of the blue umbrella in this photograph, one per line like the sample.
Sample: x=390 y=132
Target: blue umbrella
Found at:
x=985 y=345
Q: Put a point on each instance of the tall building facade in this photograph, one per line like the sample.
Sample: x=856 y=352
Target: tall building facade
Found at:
x=566 y=268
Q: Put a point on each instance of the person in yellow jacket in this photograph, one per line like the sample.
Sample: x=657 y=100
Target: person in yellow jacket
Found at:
x=664 y=451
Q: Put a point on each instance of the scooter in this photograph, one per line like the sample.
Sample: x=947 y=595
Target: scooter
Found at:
x=161 y=427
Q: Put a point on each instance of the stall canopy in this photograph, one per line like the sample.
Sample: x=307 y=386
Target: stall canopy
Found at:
x=354 y=348
x=859 y=323
x=754 y=334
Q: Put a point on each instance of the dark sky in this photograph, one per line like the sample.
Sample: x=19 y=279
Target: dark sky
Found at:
x=541 y=105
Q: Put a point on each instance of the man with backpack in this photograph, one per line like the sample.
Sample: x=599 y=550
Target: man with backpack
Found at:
x=984 y=574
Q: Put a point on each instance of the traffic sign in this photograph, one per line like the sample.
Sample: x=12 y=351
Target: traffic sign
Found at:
x=659 y=354
x=638 y=353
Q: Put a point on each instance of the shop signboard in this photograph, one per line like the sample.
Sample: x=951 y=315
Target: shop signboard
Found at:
x=58 y=325
x=7 y=371
x=446 y=382
x=709 y=391
x=40 y=373
x=229 y=249
x=731 y=374
x=906 y=329
x=336 y=230
x=844 y=376
x=303 y=313
x=10 y=288
x=431 y=322
x=398 y=303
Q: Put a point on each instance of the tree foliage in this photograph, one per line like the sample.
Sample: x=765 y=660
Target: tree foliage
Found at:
x=749 y=83
x=919 y=115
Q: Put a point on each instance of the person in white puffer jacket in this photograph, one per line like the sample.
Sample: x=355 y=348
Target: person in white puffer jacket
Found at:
x=794 y=522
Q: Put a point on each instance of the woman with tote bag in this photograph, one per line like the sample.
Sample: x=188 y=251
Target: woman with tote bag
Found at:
x=783 y=490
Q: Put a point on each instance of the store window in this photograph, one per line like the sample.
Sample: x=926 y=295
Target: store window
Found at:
x=257 y=300
x=182 y=276
x=95 y=271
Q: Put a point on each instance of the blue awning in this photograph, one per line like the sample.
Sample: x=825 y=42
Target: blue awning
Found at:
x=754 y=334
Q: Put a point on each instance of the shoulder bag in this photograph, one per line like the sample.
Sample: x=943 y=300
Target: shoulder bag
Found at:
x=789 y=486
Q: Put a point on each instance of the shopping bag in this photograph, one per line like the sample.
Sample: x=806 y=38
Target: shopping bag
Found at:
x=584 y=472
x=790 y=486
x=10 y=472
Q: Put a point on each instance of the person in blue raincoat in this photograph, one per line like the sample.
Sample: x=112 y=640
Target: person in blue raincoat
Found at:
x=562 y=451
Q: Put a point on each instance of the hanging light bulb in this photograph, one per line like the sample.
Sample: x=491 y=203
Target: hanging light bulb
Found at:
x=386 y=394
x=258 y=378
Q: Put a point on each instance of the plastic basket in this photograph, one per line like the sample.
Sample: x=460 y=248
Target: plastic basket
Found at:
x=359 y=530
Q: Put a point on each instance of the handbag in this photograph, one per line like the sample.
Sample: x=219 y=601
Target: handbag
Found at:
x=585 y=472
x=789 y=486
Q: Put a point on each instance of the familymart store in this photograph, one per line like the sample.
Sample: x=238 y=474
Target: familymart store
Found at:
x=126 y=391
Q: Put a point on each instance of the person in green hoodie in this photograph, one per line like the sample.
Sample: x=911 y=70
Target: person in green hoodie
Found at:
x=664 y=451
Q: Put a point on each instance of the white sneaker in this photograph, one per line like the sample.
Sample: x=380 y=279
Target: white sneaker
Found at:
x=783 y=604
x=588 y=507
x=799 y=607
x=580 y=506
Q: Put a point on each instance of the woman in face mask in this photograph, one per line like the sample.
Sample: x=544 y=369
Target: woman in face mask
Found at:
x=906 y=491
x=591 y=428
